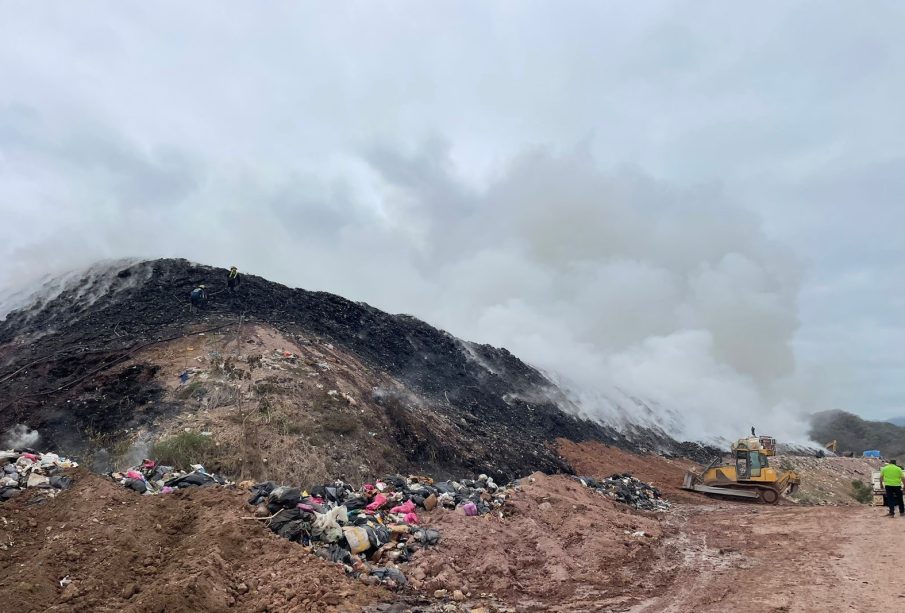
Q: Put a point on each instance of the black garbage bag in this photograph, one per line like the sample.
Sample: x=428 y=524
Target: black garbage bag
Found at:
x=160 y=472
x=319 y=491
x=286 y=497
x=8 y=492
x=294 y=530
x=60 y=482
x=190 y=480
x=426 y=536
x=260 y=491
x=284 y=517
x=378 y=535
x=445 y=487
x=389 y=573
x=397 y=481
x=136 y=484
x=334 y=553
x=355 y=503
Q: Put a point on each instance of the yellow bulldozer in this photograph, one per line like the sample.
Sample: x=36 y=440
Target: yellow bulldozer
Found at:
x=749 y=476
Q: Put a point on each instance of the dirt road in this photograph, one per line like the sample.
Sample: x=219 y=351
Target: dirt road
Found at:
x=783 y=558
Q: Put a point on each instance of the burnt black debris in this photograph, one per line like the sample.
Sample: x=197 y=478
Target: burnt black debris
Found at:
x=628 y=490
x=58 y=368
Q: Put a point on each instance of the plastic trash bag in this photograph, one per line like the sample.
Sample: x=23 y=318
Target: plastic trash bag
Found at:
x=327 y=525
x=357 y=538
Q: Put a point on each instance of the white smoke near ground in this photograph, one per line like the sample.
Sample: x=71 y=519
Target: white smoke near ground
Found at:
x=647 y=303
x=20 y=436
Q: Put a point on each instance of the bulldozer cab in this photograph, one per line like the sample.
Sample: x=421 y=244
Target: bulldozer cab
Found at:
x=748 y=464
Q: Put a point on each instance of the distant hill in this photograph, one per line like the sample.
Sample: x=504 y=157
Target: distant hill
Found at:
x=898 y=421
x=855 y=434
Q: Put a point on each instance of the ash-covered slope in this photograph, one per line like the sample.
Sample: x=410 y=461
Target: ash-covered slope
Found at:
x=63 y=369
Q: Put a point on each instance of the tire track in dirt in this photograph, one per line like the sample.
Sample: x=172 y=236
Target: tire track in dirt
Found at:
x=782 y=559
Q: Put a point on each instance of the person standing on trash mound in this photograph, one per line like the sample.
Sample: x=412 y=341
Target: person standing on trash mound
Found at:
x=232 y=279
x=892 y=483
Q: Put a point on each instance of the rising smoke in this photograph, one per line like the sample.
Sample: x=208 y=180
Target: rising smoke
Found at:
x=648 y=303
x=20 y=436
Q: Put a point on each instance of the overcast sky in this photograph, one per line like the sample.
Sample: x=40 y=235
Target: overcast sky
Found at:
x=698 y=203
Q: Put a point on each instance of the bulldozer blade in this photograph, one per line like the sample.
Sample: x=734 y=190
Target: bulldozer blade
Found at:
x=724 y=491
x=690 y=480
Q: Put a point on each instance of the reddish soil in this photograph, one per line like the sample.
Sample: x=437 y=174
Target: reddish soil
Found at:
x=780 y=559
x=559 y=547
x=594 y=459
x=186 y=551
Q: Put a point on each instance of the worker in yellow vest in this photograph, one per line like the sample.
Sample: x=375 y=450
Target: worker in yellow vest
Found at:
x=891 y=474
x=232 y=279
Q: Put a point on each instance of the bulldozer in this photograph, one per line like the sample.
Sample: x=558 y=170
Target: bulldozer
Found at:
x=749 y=476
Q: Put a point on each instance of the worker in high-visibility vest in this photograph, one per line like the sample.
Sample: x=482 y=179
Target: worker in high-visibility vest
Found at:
x=232 y=279
x=891 y=474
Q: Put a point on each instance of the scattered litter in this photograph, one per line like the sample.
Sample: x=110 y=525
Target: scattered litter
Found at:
x=373 y=529
x=152 y=478
x=26 y=468
x=628 y=490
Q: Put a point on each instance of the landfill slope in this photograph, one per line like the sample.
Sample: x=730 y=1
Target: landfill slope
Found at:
x=81 y=367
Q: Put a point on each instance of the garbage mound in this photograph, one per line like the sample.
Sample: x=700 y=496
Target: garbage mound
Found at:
x=27 y=468
x=628 y=490
x=151 y=478
x=373 y=529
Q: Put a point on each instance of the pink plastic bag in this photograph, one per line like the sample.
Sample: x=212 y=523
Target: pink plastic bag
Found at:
x=166 y=489
x=406 y=507
x=411 y=518
x=379 y=501
x=470 y=509
x=134 y=474
x=30 y=456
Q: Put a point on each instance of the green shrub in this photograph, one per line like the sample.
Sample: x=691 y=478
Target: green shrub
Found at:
x=183 y=450
x=195 y=390
x=862 y=492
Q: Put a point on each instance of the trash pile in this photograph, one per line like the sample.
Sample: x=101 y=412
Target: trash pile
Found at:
x=628 y=490
x=373 y=529
x=28 y=468
x=152 y=478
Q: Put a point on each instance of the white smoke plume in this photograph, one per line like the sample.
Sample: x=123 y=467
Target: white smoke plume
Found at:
x=20 y=436
x=647 y=303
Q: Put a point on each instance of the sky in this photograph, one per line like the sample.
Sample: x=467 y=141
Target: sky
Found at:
x=691 y=209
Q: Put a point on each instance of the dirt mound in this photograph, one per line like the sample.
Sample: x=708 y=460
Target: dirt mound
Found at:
x=186 y=551
x=596 y=459
x=558 y=547
x=828 y=481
